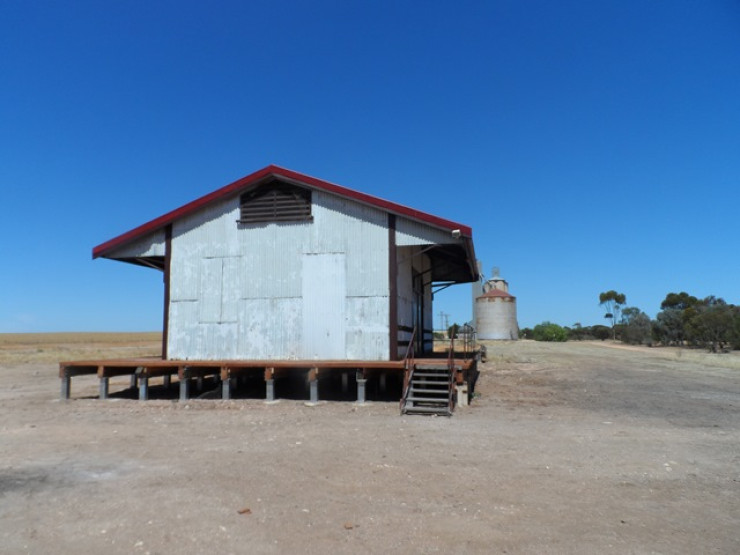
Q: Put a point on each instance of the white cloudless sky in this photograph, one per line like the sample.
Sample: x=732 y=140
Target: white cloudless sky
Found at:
x=590 y=145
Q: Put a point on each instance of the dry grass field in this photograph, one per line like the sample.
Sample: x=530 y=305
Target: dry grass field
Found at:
x=55 y=347
x=568 y=448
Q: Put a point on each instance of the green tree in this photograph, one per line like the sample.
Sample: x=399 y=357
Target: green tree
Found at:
x=612 y=303
x=547 y=331
x=670 y=324
x=679 y=301
x=576 y=331
x=668 y=327
x=711 y=324
x=636 y=326
x=736 y=327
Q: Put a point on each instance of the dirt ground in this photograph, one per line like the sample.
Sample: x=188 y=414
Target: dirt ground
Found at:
x=567 y=448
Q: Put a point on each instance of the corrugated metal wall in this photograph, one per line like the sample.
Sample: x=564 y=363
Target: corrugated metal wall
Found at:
x=271 y=291
x=324 y=299
x=410 y=260
x=151 y=245
x=409 y=232
x=250 y=291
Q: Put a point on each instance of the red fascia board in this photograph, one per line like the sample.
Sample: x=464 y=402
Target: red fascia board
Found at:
x=272 y=170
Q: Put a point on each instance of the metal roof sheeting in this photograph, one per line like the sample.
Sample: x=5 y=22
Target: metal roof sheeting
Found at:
x=260 y=177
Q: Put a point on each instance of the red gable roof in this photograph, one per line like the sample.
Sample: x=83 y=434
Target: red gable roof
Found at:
x=260 y=175
x=257 y=177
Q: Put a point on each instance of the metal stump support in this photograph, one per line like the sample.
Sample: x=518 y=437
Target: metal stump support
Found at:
x=361 y=381
x=143 y=388
x=66 y=383
x=314 y=390
x=184 y=388
x=103 y=388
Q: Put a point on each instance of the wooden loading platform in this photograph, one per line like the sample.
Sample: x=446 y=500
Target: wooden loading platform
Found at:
x=231 y=373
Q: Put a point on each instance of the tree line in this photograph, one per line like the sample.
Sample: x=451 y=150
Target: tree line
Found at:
x=683 y=320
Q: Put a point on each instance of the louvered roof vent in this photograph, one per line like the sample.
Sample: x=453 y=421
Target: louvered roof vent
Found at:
x=275 y=202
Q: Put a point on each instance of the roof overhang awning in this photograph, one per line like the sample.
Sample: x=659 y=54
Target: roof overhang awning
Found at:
x=453 y=263
x=156 y=262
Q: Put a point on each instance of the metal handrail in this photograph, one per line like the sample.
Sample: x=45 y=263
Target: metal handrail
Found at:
x=410 y=347
x=409 y=369
x=469 y=341
x=451 y=367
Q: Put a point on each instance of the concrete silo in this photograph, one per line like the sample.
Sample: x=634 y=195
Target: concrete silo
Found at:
x=495 y=310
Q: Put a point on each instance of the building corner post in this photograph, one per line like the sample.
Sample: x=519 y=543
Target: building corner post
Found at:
x=167 y=264
x=392 y=288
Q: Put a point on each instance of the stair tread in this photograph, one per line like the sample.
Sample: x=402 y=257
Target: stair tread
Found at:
x=429 y=410
x=413 y=390
x=432 y=395
x=436 y=367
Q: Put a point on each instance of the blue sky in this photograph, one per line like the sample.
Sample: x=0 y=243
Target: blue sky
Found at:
x=590 y=145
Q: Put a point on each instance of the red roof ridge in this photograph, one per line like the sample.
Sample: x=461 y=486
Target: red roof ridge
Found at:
x=256 y=177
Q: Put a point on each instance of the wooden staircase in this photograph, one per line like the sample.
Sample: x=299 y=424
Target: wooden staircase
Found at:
x=429 y=390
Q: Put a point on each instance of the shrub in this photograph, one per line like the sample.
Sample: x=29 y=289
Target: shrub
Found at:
x=601 y=332
x=547 y=331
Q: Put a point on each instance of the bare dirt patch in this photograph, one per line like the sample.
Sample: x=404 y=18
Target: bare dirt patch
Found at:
x=568 y=448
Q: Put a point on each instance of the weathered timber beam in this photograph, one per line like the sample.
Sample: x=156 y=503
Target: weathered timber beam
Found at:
x=275 y=372
x=67 y=371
